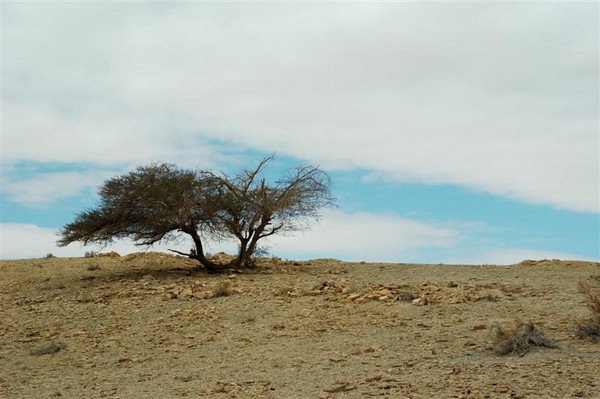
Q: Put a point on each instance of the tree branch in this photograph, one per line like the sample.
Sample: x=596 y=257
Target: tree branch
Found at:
x=189 y=255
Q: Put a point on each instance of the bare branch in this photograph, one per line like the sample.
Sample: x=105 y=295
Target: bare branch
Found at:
x=189 y=255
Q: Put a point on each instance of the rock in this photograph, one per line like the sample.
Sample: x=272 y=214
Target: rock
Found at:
x=375 y=377
x=354 y=296
x=419 y=301
x=186 y=293
x=345 y=387
x=169 y=295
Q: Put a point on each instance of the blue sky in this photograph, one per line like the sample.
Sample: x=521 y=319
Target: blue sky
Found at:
x=454 y=132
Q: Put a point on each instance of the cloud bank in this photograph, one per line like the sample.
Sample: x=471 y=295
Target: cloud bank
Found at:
x=358 y=236
x=345 y=236
x=497 y=97
x=366 y=236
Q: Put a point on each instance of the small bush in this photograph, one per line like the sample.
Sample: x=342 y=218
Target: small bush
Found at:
x=519 y=338
x=406 y=296
x=490 y=298
x=50 y=255
x=222 y=289
x=47 y=349
x=590 y=328
x=285 y=291
x=90 y=254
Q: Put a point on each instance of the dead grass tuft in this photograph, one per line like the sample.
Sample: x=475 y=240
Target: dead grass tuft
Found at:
x=224 y=288
x=47 y=349
x=519 y=338
x=590 y=328
x=406 y=296
x=93 y=267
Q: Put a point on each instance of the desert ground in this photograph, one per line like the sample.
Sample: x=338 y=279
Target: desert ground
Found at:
x=151 y=325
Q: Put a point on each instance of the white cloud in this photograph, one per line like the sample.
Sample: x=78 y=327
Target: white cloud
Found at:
x=511 y=256
x=500 y=97
x=19 y=241
x=350 y=237
x=25 y=241
x=365 y=236
x=47 y=188
x=359 y=236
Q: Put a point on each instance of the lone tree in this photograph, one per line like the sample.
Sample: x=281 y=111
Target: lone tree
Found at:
x=159 y=202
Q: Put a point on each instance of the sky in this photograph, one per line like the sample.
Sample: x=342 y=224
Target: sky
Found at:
x=454 y=132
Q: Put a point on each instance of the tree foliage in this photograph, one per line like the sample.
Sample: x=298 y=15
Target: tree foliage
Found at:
x=159 y=202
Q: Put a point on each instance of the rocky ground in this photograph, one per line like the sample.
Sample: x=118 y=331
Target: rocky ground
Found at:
x=152 y=326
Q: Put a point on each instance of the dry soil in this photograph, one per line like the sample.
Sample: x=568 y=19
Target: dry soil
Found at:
x=153 y=326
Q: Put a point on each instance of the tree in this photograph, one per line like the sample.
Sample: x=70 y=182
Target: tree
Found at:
x=159 y=202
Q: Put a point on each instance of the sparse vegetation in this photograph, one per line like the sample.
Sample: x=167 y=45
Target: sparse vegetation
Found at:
x=50 y=255
x=518 y=338
x=93 y=267
x=160 y=202
x=490 y=298
x=224 y=288
x=90 y=254
x=590 y=328
x=47 y=349
x=406 y=296
x=331 y=323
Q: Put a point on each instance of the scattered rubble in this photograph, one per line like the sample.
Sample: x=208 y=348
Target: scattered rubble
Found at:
x=155 y=325
x=427 y=293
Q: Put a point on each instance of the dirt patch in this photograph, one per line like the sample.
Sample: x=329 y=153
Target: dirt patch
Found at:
x=151 y=325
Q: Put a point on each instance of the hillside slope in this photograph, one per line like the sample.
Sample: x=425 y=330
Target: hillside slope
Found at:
x=150 y=325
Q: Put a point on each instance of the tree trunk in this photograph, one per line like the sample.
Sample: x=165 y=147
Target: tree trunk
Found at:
x=198 y=254
x=242 y=254
x=251 y=247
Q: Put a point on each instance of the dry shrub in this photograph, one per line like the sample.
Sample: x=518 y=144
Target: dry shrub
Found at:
x=224 y=288
x=286 y=292
x=47 y=349
x=406 y=296
x=590 y=328
x=518 y=338
x=93 y=267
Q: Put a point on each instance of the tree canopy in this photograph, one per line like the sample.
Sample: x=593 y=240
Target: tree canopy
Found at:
x=160 y=202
